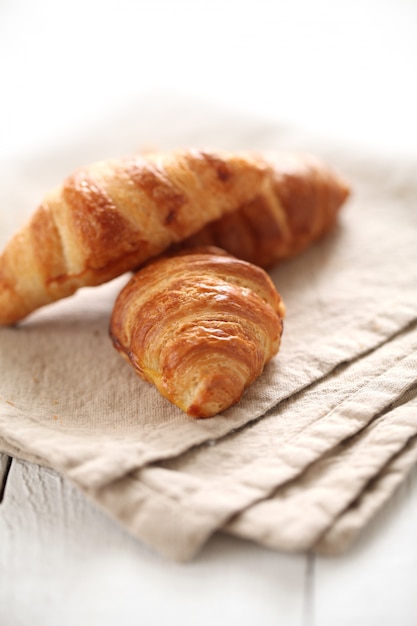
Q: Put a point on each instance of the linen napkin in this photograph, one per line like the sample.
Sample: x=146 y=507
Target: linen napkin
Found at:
x=304 y=447
x=68 y=401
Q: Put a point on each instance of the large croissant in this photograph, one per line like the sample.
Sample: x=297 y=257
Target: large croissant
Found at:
x=200 y=326
x=113 y=216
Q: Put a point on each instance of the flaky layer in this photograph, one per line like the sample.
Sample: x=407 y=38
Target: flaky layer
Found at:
x=200 y=327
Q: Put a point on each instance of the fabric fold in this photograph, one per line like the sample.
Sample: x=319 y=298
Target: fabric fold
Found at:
x=329 y=488
x=351 y=524
x=247 y=467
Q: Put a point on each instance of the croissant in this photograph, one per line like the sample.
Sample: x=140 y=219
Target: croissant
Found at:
x=199 y=326
x=298 y=206
x=113 y=216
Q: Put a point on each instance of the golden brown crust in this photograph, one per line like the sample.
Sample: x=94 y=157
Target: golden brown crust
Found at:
x=113 y=216
x=200 y=327
x=297 y=206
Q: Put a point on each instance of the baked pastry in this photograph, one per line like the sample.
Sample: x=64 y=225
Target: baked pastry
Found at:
x=199 y=326
x=113 y=216
x=299 y=205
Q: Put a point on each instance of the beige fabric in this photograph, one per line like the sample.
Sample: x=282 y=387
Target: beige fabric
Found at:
x=343 y=532
x=328 y=487
x=68 y=401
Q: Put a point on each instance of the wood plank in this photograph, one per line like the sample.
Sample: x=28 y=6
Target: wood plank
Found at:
x=72 y=565
x=375 y=583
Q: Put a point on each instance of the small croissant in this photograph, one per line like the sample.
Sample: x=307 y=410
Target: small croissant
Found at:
x=200 y=326
x=113 y=216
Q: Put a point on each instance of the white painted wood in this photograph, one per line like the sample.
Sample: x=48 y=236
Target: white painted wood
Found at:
x=63 y=562
x=375 y=583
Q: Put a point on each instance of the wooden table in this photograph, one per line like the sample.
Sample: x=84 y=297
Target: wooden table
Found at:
x=63 y=562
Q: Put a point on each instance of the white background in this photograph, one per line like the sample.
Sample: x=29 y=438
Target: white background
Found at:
x=342 y=68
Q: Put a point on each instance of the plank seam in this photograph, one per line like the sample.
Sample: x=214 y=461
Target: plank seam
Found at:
x=308 y=614
x=4 y=477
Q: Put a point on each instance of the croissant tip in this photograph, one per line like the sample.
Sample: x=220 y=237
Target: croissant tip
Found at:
x=213 y=394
